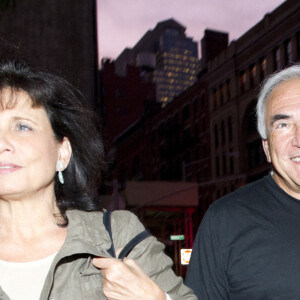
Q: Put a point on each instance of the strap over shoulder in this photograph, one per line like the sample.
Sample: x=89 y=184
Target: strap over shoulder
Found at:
x=107 y=224
x=130 y=245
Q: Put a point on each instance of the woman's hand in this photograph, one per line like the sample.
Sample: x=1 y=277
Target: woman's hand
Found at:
x=125 y=280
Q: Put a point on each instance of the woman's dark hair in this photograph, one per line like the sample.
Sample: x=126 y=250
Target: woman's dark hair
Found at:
x=69 y=117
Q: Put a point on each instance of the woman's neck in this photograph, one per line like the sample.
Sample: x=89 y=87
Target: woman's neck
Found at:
x=29 y=229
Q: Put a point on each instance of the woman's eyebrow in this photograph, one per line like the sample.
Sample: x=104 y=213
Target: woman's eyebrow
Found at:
x=19 y=118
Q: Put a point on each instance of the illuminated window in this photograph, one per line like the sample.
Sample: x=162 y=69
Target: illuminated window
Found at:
x=262 y=68
x=243 y=78
x=252 y=73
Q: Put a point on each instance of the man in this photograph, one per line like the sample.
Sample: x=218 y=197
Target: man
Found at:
x=248 y=244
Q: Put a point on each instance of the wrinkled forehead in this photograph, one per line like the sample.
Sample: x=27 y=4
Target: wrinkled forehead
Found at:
x=11 y=98
x=288 y=89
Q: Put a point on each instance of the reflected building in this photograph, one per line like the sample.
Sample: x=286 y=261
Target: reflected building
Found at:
x=167 y=56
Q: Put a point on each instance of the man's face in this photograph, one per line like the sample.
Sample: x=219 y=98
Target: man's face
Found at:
x=282 y=146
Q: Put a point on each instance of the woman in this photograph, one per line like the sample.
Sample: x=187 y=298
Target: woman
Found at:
x=53 y=244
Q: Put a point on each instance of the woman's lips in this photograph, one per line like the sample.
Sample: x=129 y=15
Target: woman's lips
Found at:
x=6 y=168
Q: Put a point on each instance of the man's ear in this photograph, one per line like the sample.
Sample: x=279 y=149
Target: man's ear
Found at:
x=65 y=152
x=265 y=145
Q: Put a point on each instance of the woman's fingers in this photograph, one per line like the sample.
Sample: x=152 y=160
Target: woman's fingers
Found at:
x=125 y=280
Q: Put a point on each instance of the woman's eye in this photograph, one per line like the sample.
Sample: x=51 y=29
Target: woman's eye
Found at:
x=23 y=127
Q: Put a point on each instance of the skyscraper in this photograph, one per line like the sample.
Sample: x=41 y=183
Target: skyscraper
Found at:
x=167 y=56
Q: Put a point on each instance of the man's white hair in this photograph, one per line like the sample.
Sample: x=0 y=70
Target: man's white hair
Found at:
x=268 y=86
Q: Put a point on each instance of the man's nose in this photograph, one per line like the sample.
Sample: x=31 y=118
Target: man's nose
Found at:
x=296 y=136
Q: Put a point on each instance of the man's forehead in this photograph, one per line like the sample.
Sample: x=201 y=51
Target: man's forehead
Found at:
x=284 y=99
x=288 y=89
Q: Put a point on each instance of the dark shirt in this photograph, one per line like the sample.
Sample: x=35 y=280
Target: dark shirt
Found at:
x=248 y=246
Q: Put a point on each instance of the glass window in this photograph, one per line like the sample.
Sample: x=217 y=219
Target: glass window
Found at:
x=252 y=72
x=162 y=130
x=186 y=135
x=221 y=94
x=228 y=89
x=204 y=124
x=262 y=68
x=215 y=98
x=243 y=79
x=229 y=123
x=185 y=113
x=223 y=132
x=288 y=52
x=195 y=104
x=216 y=136
x=217 y=166
x=224 y=164
x=203 y=100
x=276 y=58
x=231 y=162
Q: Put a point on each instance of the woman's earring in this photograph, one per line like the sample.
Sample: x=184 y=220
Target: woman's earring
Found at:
x=59 y=167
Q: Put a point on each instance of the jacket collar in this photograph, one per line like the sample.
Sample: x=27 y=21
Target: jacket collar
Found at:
x=86 y=233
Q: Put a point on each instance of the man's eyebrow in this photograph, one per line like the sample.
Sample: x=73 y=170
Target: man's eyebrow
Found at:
x=279 y=117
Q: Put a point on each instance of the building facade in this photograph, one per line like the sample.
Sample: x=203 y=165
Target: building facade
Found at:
x=234 y=77
x=168 y=56
x=126 y=98
x=207 y=134
x=57 y=36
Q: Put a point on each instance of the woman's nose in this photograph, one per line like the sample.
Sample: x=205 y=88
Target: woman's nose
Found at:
x=5 y=143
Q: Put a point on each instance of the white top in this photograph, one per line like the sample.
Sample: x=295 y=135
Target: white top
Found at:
x=24 y=280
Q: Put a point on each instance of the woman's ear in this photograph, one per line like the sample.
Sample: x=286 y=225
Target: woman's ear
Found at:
x=65 y=152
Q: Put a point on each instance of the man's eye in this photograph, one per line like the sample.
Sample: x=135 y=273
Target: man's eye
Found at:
x=282 y=125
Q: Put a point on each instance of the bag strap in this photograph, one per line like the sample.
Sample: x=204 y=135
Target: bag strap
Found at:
x=107 y=224
x=130 y=245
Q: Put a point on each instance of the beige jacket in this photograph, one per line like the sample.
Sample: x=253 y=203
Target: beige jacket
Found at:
x=72 y=275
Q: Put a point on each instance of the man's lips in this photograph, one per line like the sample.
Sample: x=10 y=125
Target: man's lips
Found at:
x=296 y=159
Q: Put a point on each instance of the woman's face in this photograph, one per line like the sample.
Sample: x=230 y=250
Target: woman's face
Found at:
x=28 y=149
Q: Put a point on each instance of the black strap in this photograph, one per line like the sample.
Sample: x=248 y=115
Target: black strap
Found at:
x=130 y=245
x=107 y=224
x=136 y=240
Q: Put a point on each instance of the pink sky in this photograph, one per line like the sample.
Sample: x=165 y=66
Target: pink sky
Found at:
x=121 y=23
